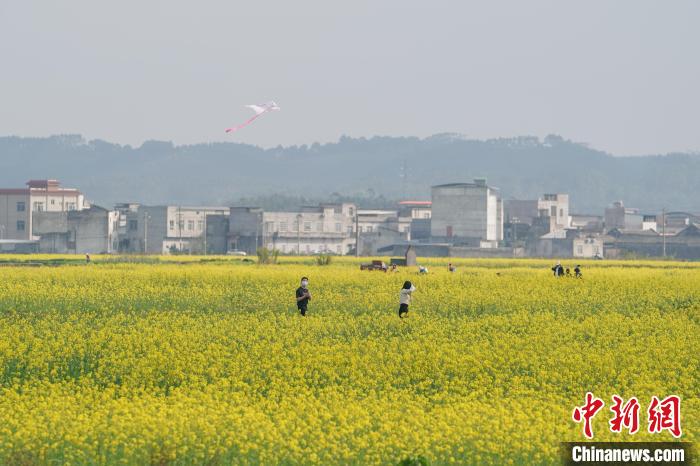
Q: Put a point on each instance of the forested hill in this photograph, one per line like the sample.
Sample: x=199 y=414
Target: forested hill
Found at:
x=384 y=167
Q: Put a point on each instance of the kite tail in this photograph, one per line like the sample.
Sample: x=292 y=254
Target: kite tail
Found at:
x=243 y=125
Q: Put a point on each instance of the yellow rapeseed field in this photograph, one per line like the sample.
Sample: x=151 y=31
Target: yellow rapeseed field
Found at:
x=206 y=360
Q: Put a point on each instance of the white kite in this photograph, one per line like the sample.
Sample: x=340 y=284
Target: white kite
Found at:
x=259 y=110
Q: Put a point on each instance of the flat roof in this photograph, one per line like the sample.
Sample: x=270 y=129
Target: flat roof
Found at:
x=422 y=203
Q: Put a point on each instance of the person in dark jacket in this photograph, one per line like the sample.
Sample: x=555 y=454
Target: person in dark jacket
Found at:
x=577 y=272
x=558 y=270
x=303 y=296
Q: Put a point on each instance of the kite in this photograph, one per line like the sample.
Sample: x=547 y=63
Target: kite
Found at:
x=259 y=110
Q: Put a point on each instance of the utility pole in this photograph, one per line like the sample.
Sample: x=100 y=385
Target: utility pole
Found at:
x=663 y=230
x=357 y=232
x=205 y=233
x=145 y=232
x=298 y=234
x=179 y=225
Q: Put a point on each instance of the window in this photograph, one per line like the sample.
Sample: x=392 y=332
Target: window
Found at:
x=38 y=206
x=338 y=227
x=561 y=212
x=579 y=249
x=20 y=207
x=368 y=228
x=283 y=226
x=553 y=211
x=426 y=215
x=20 y=225
x=596 y=251
x=70 y=205
x=351 y=211
x=181 y=224
x=172 y=224
x=133 y=225
x=350 y=230
x=200 y=225
x=53 y=201
x=190 y=225
x=307 y=226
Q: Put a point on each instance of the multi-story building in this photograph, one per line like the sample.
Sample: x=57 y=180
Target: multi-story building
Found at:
x=91 y=230
x=468 y=213
x=327 y=228
x=555 y=207
x=619 y=217
x=17 y=206
x=170 y=229
x=380 y=228
x=551 y=210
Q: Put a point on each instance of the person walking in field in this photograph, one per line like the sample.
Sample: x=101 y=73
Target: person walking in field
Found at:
x=558 y=269
x=405 y=298
x=303 y=296
x=577 y=272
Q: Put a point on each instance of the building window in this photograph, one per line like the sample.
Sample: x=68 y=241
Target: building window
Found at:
x=20 y=207
x=200 y=225
x=350 y=230
x=307 y=226
x=181 y=224
x=596 y=251
x=38 y=206
x=20 y=225
x=561 y=212
x=426 y=215
x=133 y=225
x=368 y=228
x=172 y=224
x=579 y=249
x=553 y=211
x=70 y=206
x=190 y=225
x=338 y=227
x=53 y=201
x=283 y=226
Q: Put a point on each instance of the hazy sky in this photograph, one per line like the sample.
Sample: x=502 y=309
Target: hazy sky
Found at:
x=622 y=75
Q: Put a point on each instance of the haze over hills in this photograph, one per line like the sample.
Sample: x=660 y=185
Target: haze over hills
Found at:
x=378 y=168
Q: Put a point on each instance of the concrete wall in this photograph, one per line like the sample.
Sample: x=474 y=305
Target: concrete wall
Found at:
x=9 y=216
x=468 y=210
x=77 y=231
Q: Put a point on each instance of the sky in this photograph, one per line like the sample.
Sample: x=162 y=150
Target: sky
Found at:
x=620 y=75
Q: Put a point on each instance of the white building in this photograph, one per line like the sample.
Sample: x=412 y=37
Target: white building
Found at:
x=17 y=205
x=328 y=228
x=467 y=213
x=556 y=208
x=167 y=229
x=588 y=247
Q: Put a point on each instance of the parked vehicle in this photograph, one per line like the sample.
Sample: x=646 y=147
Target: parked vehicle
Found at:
x=374 y=265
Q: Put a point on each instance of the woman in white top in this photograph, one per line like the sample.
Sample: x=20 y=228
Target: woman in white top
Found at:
x=405 y=298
